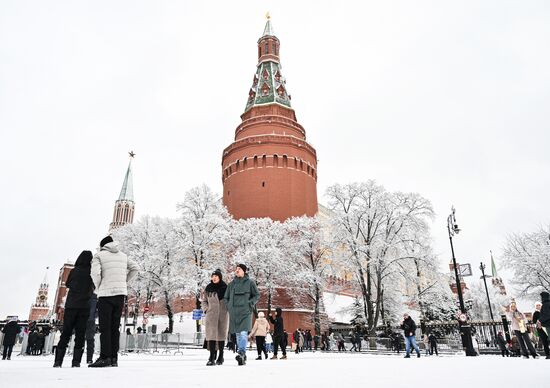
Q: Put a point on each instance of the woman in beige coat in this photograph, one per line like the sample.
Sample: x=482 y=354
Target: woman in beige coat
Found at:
x=260 y=330
x=217 y=318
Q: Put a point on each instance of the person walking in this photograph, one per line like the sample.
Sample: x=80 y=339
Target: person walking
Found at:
x=541 y=330
x=520 y=330
x=240 y=299
x=433 y=344
x=79 y=283
x=503 y=345
x=544 y=317
x=358 y=340
x=278 y=333
x=91 y=330
x=260 y=331
x=111 y=272
x=426 y=343
x=409 y=329
x=296 y=340
x=217 y=318
x=10 y=330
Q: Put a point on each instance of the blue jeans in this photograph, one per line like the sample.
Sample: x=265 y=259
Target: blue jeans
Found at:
x=242 y=341
x=411 y=341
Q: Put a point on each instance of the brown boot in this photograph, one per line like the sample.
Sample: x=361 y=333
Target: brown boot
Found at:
x=284 y=357
x=274 y=357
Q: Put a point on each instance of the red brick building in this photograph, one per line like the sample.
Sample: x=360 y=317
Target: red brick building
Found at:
x=270 y=170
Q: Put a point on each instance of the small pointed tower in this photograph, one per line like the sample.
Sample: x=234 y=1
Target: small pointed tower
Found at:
x=124 y=206
x=270 y=170
x=497 y=280
x=41 y=309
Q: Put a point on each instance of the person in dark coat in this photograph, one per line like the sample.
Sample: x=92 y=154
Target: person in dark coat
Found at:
x=10 y=330
x=40 y=342
x=77 y=310
x=432 y=340
x=91 y=329
x=544 y=316
x=540 y=331
x=278 y=333
x=240 y=299
x=358 y=340
x=502 y=345
x=31 y=342
x=296 y=339
x=409 y=329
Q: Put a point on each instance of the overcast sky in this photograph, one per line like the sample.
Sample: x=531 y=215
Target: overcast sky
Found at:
x=448 y=99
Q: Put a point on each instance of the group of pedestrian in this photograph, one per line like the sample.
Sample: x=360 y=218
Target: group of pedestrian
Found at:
x=97 y=281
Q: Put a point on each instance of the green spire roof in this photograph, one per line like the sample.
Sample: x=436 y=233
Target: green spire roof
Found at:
x=268 y=30
x=127 y=192
x=268 y=85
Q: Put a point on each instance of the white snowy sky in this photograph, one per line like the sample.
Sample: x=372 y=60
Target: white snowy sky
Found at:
x=448 y=99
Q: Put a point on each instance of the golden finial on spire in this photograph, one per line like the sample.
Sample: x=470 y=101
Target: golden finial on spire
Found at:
x=267 y=16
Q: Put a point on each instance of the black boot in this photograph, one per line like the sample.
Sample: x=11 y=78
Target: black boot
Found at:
x=212 y=349
x=219 y=361
x=59 y=355
x=114 y=361
x=77 y=357
x=101 y=363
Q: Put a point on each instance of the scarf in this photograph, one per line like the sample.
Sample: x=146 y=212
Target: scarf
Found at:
x=219 y=288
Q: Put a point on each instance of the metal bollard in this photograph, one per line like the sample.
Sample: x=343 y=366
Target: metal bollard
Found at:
x=178 y=351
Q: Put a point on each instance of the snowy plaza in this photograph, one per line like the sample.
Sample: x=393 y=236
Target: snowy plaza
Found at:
x=304 y=370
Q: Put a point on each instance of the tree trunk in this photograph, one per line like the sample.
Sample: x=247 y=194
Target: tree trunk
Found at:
x=379 y=297
x=317 y=314
x=364 y=293
x=169 y=312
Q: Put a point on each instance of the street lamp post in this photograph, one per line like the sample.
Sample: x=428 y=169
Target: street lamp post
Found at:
x=465 y=329
x=482 y=268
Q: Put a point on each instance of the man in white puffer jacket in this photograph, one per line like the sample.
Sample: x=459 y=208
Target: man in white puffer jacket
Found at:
x=111 y=272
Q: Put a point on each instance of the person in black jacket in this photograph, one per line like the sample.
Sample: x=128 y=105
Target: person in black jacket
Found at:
x=503 y=345
x=544 y=316
x=540 y=331
x=278 y=333
x=10 y=331
x=433 y=344
x=409 y=329
x=77 y=309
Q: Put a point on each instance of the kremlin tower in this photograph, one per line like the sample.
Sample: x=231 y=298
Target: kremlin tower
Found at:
x=123 y=214
x=269 y=170
x=41 y=309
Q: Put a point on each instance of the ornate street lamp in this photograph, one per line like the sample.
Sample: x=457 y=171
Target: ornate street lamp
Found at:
x=465 y=329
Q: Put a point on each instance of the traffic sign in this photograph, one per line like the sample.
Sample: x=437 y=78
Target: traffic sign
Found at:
x=197 y=314
x=465 y=270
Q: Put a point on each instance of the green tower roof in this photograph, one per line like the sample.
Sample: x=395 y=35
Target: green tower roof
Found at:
x=268 y=85
x=127 y=192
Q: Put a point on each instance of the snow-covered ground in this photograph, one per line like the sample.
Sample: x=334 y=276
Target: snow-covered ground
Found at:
x=303 y=370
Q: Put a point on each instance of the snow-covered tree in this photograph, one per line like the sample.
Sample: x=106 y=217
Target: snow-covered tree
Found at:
x=203 y=234
x=480 y=305
x=309 y=248
x=372 y=225
x=260 y=245
x=528 y=255
x=152 y=244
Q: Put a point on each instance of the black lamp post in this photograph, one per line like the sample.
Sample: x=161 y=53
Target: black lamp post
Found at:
x=484 y=277
x=465 y=329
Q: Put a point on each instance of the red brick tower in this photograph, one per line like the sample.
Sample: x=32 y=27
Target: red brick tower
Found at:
x=269 y=170
x=41 y=309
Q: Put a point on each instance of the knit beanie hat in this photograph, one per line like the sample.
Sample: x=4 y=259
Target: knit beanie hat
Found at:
x=243 y=267
x=105 y=241
x=218 y=273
